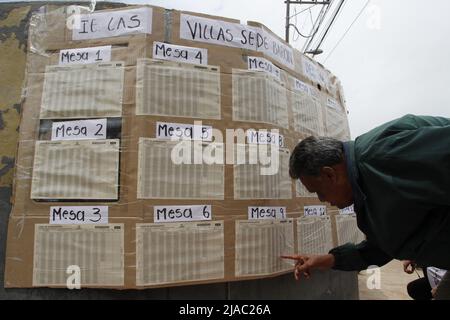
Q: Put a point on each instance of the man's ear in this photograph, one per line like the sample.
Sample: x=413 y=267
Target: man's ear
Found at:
x=329 y=174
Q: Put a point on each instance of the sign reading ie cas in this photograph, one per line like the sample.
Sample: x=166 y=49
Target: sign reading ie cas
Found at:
x=111 y=24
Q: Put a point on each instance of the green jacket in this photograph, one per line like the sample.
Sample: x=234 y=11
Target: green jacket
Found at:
x=400 y=176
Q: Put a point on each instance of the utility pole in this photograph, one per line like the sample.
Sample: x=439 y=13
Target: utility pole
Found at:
x=288 y=11
x=288 y=14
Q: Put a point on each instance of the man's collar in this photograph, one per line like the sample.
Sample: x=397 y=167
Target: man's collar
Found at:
x=353 y=175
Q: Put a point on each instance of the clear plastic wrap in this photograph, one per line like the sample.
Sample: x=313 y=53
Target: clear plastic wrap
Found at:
x=96 y=186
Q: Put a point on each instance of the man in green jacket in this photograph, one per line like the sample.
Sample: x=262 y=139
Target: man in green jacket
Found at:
x=398 y=178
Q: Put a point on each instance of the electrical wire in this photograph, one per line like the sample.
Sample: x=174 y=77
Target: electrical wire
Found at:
x=298 y=31
x=322 y=14
x=294 y=39
x=330 y=24
x=297 y=13
x=348 y=29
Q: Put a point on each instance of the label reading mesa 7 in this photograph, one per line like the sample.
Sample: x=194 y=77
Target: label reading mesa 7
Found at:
x=265 y=137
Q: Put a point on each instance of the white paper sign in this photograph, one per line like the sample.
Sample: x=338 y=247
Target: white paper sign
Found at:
x=79 y=130
x=314 y=93
x=111 y=24
x=171 y=52
x=261 y=64
x=315 y=210
x=301 y=86
x=331 y=103
x=181 y=131
x=235 y=35
x=85 y=55
x=181 y=213
x=310 y=70
x=347 y=210
x=265 y=137
x=277 y=50
x=79 y=215
x=257 y=213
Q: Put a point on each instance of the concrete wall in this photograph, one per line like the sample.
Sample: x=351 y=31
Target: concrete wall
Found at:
x=14 y=19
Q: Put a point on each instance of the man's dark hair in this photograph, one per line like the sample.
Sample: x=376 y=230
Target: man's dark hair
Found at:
x=313 y=153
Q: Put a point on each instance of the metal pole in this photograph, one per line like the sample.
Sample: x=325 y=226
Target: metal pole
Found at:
x=288 y=3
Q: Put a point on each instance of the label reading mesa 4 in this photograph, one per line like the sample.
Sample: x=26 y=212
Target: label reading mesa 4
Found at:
x=171 y=52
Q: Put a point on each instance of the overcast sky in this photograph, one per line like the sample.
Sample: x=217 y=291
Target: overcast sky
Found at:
x=394 y=60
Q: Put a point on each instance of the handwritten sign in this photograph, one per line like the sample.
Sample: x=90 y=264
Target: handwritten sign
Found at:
x=265 y=137
x=79 y=215
x=261 y=64
x=315 y=210
x=310 y=70
x=181 y=213
x=347 y=210
x=79 y=130
x=171 y=52
x=181 y=131
x=235 y=35
x=301 y=86
x=112 y=24
x=333 y=104
x=258 y=213
x=85 y=55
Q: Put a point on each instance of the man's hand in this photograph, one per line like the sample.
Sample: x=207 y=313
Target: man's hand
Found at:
x=409 y=266
x=433 y=292
x=305 y=263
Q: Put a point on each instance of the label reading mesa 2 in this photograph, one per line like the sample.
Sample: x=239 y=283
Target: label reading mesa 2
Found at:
x=79 y=130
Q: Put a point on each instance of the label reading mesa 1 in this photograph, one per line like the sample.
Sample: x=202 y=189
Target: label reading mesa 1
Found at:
x=181 y=131
x=265 y=137
x=79 y=130
x=261 y=64
x=255 y=213
x=85 y=55
x=315 y=210
x=79 y=215
x=110 y=24
x=181 y=213
x=165 y=51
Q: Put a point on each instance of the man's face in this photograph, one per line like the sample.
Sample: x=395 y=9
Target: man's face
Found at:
x=330 y=186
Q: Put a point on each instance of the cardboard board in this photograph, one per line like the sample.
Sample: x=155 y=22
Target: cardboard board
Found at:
x=136 y=206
